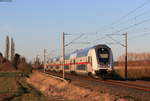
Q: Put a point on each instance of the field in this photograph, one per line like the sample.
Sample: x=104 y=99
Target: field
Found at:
x=14 y=88
x=136 y=70
x=138 y=66
x=77 y=90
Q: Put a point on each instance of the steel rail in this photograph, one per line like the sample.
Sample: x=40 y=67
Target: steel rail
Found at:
x=112 y=82
x=138 y=87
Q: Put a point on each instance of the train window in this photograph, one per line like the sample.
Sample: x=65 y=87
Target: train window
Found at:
x=57 y=67
x=73 y=61
x=103 y=55
x=66 y=67
x=81 y=67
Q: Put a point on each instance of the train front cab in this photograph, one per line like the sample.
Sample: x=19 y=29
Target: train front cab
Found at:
x=105 y=60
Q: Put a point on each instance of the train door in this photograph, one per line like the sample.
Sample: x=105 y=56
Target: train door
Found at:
x=81 y=65
x=72 y=65
x=57 y=68
x=67 y=66
x=89 y=65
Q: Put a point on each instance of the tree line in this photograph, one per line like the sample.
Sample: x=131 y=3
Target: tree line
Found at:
x=13 y=58
x=135 y=57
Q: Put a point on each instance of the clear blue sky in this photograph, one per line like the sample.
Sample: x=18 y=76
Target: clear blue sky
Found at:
x=38 y=24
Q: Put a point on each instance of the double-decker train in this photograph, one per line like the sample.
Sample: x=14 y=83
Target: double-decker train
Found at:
x=95 y=60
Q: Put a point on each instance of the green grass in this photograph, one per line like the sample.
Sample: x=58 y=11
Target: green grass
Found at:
x=8 y=85
x=12 y=74
x=28 y=93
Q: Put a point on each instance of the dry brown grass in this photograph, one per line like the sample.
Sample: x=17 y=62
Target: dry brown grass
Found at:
x=7 y=67
x=55 y=87
x=52 y=87
x=138 y=66
x=15 y=89
x=138 y=72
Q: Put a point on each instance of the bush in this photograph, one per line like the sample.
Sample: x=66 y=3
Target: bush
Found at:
x=138 y=74
x=138 y=66
x=25 y=68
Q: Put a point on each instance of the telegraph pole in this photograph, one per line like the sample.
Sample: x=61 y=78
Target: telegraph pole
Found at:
x=44 y=59
x=63 y=53
x=126 y=55
x=125 y=45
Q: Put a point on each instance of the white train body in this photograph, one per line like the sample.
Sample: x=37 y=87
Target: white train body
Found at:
x=94 y=60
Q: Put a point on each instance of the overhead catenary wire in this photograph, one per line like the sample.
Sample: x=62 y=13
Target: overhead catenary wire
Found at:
x=131 y=12
x=128 y=27
x=139 y=36
x=117 y=22
x=81 y=42
x=133 y=25
x=117 y=42
x=126 y=15
x=77 y=38
x=133 y=18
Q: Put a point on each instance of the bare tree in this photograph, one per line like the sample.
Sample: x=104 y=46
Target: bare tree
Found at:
x=16 y=60
x=37 y=63
x=12 y=49
x=1 y=58
x=7 y=48
x=23 y=60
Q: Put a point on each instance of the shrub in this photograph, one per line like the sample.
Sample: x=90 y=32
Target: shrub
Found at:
x=25 y=68
x=138 y=66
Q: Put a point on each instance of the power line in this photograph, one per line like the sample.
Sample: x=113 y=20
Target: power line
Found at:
x=134 y=10
x=133 y=25
x=139 y=36
x=102 y=38
x=131 y=12
x=129 y=27
x=77 y=38
x=133 y=18
x=86 y=33
x=117 y=42
x=81 y=42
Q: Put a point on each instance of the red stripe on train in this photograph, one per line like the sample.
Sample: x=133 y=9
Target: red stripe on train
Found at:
x=68 y=64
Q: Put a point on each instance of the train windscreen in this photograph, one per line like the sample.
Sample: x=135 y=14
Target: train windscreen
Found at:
x=103 y=55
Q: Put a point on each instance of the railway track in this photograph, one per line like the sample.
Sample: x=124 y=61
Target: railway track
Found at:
x=129 y=85
x=108 y=82
x=123 y=84
x=122 y=89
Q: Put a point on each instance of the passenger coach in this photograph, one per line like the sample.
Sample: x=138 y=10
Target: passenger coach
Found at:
x=96 y=60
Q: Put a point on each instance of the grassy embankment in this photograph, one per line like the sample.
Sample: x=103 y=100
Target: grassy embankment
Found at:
x=55 y=87
x=14 y=88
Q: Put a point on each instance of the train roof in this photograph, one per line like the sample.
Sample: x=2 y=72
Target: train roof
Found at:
x=79 y=53
x=84 y=52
